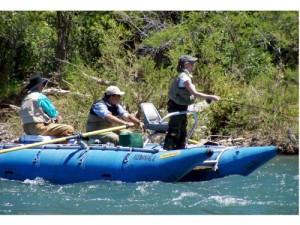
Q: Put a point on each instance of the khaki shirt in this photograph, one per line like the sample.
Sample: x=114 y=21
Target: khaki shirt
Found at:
x=31 y=112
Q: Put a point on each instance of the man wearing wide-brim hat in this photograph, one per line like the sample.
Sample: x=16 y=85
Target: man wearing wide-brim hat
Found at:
x=108 y=113
x=38 y=114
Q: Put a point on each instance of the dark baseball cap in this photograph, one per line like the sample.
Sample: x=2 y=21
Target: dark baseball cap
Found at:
x=186 y=58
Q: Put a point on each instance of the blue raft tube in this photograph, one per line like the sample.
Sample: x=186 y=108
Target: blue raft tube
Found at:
x=233 y=160
x=63 y=164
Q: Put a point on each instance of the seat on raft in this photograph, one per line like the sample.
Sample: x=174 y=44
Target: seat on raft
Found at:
x=153 y=121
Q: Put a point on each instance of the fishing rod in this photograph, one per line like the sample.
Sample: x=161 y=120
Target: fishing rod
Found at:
x=248 y=105
x=208 y=101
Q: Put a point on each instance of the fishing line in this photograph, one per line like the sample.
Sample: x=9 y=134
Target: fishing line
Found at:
x=253 y=106
x=243 y=104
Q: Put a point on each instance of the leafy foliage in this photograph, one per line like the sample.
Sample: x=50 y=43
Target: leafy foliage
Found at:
x=249 y=58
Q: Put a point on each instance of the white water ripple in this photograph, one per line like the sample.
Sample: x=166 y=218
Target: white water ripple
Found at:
x=184 y=195
x=228 y=200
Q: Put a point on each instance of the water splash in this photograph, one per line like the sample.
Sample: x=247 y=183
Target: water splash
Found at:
x=36 y=181
x=229 y=200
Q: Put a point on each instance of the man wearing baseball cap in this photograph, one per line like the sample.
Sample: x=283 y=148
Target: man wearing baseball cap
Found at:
x=38 y=114
x=182 y=94
x=108 y=113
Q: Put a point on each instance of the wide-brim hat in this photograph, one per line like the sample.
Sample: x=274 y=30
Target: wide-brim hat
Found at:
x=113 y=90
x=186 y=58
x=35 y=81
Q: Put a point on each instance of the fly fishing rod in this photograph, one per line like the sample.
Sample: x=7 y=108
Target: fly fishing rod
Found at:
x=208 y=101
x=244 y=104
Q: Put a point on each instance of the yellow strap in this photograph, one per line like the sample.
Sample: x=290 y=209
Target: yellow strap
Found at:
x=195 y=142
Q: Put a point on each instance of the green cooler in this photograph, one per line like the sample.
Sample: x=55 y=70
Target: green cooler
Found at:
x=131 y=139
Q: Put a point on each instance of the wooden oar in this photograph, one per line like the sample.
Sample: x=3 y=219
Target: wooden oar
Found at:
x=92 y=133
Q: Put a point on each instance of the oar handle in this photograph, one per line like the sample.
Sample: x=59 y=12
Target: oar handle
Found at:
x=92 y=133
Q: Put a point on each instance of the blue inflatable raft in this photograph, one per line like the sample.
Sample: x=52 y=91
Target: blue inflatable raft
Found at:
x=73 y=163
x=64 y=164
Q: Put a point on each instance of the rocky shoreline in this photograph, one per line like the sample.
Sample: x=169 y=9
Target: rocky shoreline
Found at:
x=11 y=129
x=9 y=134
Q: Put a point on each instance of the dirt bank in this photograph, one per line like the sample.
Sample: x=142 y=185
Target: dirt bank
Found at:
x=11 y=132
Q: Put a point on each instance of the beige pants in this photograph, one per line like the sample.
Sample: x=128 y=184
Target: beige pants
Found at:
x=52 y=129
x=110 y=137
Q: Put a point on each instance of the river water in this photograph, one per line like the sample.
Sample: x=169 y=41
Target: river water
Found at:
x=271 y=190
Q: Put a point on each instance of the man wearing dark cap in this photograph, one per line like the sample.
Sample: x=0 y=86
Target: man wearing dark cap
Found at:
x=182 y=94
x=107 y=113
x=38 y=114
